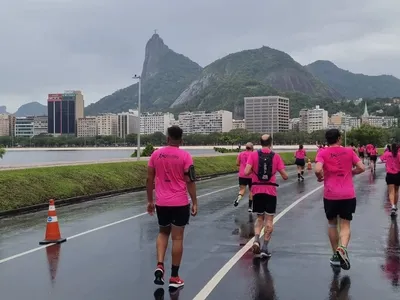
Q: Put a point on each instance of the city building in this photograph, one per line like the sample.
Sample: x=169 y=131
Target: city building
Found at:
x=64 y=111
x=86 y=127
x=155 y=122
x=40 y=125
x=107 y=124
x=4 y=125
x=343 y=121
x=128 y=123
x=294 y=124
x=24 y=126
x=238 y=124
x=266 y=114
x=205 y=122
x=11 y=121
x=378 y=121
x=313 y=119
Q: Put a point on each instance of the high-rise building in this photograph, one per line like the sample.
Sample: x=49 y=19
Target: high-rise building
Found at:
x=107 y=124
x=24 y=126
x=86 y=127
x=266 y=114
x=313 y=119
x=128 y=123
x=40 y=125
x=205 y=122
x=238 y=124
x=64 y=111
x=155 y=122
x=4 y=125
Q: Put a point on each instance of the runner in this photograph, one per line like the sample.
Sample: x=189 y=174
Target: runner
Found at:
x=173 y=172
x=368 y=148
x=392 y=160
x=373 y=156
x=243 y=179
x=263 y=165
x=300 y=156
x=334 y=166
x=361 y=150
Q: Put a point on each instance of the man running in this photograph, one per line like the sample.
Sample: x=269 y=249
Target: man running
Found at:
x=361 y=150
x=392 y=160
x=263 y=164
x=244 y=180
x=300 y=156
x=334 y=166
x=373 y=157
x=173 y=172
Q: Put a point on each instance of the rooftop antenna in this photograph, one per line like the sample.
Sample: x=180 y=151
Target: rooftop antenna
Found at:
x=155 y=31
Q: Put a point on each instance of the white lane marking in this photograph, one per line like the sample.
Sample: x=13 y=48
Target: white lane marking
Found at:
x=101 y=227
x=210 y=285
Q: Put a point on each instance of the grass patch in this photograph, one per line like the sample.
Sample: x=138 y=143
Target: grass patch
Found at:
x=21 y=188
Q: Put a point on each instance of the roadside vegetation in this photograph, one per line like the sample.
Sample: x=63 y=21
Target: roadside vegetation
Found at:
x=2 y=152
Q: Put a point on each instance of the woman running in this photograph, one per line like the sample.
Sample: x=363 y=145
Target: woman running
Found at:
x=373 y=156
x=300 y=156
x=392 y=160
x=361 y=150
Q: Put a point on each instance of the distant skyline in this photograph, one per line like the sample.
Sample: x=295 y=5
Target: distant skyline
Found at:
x=47 y=51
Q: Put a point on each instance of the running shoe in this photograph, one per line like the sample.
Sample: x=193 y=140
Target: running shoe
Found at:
x=393 y=212
x=256 y=248
x=341 y=251
x=176 y=282
x=335 y=260
x=236 y=203
x=159 y=275
x=265 y=253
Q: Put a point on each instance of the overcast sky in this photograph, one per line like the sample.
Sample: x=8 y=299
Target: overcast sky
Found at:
x=49 y=46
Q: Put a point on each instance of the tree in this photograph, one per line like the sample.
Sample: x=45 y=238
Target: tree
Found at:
x=367 y=134
x=2 y=152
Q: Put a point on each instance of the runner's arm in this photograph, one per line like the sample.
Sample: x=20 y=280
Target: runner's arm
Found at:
x=151 y=174
x=359 y=166
x=190 y=184
x=238 y=160
x=281 y=167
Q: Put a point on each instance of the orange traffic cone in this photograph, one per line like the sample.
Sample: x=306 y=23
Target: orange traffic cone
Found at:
x=309 y=166
x=53 y=235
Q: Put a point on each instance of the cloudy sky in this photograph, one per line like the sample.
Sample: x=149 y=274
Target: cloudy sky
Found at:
x=49 y=46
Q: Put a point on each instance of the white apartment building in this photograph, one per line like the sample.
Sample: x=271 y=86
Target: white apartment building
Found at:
x=294 y=124
x=24 y=126
x=155 y=122
x=107 y=124
x=128 y=123
x=205 y=122
x=238 y=124
x=266 y=114
x=4 y=125
x=86 y=127
x=378 y=121
x=313 y=119
x=40 y=125
x=343 y=121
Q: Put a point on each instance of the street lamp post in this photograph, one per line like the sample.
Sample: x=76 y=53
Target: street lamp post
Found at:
x=272 y=126
x=139 y=100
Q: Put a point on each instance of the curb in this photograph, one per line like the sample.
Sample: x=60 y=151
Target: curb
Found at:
x=86 y=198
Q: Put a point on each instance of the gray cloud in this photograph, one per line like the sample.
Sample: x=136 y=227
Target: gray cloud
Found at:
x=96 y=45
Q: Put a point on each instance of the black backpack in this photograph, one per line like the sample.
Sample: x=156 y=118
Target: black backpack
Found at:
x=265 y=168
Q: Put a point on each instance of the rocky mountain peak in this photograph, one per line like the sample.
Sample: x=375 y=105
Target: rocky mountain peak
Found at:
x=155 y=50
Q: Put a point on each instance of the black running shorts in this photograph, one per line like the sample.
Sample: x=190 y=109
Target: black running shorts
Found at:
x=245 y=181
x=361 y=154
x=173 y=215
x=342 y=208
x=373 y=158
x=393 y=179
x=300 y=162
x=264 y=204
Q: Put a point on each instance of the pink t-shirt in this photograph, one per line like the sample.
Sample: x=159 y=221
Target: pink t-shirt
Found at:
x=243 y=156
x=338 y=164
x=373 y=151
x=277 y=165
x=368 y=148
x=170 y=164
x=300 y=154
x=392 y=163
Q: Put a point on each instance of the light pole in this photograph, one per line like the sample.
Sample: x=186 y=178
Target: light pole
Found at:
x=272 y=126
x=139 y=99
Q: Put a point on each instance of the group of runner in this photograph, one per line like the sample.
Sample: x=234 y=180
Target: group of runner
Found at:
x=172 y=172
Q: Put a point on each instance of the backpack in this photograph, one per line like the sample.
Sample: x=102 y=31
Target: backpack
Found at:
x=265 y=168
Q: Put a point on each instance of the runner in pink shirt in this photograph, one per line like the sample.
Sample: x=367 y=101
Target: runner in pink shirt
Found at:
x=244 y=180
x=263 y=165
x=335 y=168
x=173 y=172
x=361 y=150
x=373 y=156
x=300 y=156
x=392 y=160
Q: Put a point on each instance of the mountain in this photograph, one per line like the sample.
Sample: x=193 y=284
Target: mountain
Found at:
x=165 y=75
x=353 y=85
x=31 y=109
x=3 y=109
x=257 y=72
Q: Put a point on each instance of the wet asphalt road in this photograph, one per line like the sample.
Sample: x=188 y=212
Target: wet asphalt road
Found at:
x=117 y=262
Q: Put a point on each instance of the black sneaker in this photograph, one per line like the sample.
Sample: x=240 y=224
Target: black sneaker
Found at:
x=256 y=248
x=393 y=212
x=236 y=203
x=159 y=275
x=344 y=257
x=265 y=253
